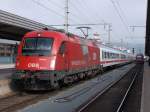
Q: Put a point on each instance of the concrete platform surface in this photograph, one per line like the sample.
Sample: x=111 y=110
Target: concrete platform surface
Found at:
x=6 y=70
x=72 y=98
x=6 y=73
x=145 y=102
x=5 y=79
x=6 y=66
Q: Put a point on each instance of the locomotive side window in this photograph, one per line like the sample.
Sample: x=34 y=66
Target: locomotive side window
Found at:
x=62 y=48
x=84 y=49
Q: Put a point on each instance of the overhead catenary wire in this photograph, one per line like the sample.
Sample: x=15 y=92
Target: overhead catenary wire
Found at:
x=79 y=11
x=88 y=24
x=55 y=12
x=51 y=10
x=62 y=8
x=120 y=16
x=94 y=14
x=56 y=4
x=85 y=5
x=76 y=16
x=122 y=11
x=70 y=13
x=73 y=18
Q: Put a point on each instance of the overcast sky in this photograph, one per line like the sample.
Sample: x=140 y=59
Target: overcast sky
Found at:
x=120 y=13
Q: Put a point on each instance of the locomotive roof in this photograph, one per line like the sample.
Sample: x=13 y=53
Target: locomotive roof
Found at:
x=139 y=54
x=64 y=36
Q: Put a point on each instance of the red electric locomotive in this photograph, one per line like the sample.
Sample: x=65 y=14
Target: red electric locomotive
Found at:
x=48 y=59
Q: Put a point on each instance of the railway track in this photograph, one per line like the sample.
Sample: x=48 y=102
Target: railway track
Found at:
x=113 y=98
x=127 y=92
x=14 y=102
x=131 y=102
x=17 y=101
x=11 y=103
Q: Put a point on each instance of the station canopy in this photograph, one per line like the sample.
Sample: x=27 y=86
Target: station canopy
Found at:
x=13 y=27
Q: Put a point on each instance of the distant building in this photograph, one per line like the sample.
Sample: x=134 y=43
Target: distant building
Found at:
x=6 y=49
x=8 y=52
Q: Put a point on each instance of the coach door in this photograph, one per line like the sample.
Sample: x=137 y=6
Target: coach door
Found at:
x=63 y=56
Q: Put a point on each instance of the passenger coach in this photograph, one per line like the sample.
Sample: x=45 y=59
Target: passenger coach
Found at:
x=110 y=56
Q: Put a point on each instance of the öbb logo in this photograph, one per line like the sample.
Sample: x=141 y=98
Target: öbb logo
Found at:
x=33 y=65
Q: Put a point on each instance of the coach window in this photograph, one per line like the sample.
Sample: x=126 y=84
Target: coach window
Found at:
x=107 y=55
x=116 y=56
x=110 y=55
x=113 y=55
x=103 y=55
x=62 y=48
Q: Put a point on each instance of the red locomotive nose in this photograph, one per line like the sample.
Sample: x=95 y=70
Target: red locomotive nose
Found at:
x=36 y=63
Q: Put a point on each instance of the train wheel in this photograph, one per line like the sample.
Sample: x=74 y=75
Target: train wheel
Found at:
x=61 y=83
x=17 y=85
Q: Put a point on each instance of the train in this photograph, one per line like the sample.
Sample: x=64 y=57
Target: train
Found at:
x=51 y=58
x=140 y=58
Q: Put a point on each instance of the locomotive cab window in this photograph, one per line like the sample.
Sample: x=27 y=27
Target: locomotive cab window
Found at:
x=37 y=46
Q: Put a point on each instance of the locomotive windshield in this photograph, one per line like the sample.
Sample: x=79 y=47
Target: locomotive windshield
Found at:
x=37 y=46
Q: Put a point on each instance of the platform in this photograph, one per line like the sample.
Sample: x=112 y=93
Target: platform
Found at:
x=6 y=73
x=145 y=102
x=6 y=70
x=6 y=66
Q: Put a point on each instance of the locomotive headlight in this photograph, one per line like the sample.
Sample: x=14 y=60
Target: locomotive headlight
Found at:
x=38 y=34
x=52 y=64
